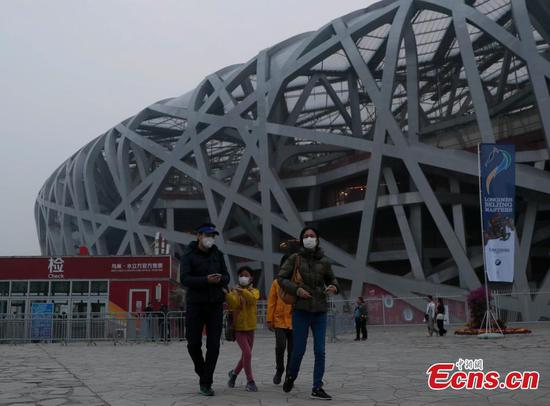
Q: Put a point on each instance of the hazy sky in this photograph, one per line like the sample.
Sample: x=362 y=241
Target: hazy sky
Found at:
x=71 y=69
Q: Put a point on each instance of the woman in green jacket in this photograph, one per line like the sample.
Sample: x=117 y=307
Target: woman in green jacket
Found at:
x=310 y=309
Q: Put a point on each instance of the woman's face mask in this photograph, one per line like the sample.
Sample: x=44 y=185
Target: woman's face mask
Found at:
x=244 y=280
x=208 y=242
x=310 y=242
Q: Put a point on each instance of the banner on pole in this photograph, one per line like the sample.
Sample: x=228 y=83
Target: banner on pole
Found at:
x=498 y=182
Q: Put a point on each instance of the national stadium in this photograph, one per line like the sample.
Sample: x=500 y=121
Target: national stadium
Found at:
x=366 y=129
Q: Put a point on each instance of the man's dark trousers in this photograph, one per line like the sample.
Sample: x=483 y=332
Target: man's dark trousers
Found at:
x=198 y=316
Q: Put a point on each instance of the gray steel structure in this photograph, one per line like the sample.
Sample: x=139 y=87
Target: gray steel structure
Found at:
x=366 y=128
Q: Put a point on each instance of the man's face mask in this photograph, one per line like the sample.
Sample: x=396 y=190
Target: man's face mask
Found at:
x=208 y=242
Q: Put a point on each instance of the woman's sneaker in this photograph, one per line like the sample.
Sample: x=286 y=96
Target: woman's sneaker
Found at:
x=319 y=393
x=288 y=384
x=232 y=379
x=251 y=386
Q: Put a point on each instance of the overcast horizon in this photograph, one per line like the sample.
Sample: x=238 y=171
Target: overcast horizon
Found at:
x=73 y=69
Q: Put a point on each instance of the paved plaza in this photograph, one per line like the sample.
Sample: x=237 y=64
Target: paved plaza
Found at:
x=388 y=369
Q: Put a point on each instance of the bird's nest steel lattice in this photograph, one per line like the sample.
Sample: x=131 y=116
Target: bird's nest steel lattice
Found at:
x=366 y=128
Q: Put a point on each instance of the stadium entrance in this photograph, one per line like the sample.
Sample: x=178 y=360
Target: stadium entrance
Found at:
x=87 y=285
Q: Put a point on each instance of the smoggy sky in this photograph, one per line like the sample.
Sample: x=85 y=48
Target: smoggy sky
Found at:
x=71 y=69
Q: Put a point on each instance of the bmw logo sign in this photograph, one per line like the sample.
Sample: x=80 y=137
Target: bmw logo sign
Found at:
x=497 y=262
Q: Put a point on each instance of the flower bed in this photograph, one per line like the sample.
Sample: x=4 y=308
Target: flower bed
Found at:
x=467 y=331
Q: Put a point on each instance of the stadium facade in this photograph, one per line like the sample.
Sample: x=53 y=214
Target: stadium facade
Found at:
x=367 y=129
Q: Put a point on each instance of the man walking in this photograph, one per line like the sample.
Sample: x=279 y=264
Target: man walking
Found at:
x=430 y=315
x=204 y=274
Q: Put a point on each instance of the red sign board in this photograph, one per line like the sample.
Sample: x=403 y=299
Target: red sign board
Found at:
x=85 y=267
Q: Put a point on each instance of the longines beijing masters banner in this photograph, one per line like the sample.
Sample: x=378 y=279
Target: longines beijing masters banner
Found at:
x=498 y=183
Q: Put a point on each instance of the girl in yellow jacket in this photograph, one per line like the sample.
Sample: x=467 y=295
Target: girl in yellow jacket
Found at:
x=242 y=300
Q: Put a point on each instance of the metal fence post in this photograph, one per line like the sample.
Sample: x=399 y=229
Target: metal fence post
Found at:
x=383 y=312
x=334 y=338
x=466 y=312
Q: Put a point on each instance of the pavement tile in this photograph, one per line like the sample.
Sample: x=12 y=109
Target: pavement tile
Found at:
x=387 y=370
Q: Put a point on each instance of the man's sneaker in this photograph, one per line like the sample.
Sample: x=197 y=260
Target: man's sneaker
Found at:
x=289 y=383
x=251 y=386
x=277 y=377
x=319 y=393
x=232 y=379
x=206 y=391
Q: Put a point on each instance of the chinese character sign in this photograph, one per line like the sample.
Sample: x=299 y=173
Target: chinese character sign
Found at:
x=55 y=268
x=55 y=265
x=498 y=183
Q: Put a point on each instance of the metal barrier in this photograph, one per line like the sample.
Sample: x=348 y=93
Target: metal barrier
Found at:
x=521 y=307
x=93 y=327
x=165 y=327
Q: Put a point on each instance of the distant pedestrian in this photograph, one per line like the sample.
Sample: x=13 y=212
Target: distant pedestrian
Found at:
x=204 y=274
x=242 y=301
x=279 y=319
x=430 y=315
x=440 y=310
x=360 y=315
x=310 y=309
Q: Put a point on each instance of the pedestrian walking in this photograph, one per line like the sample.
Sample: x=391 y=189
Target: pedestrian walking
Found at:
x=242 y=301
x=360 y=315
x=429 y=317
x=204 y=274
x=310 y=309
x=279 y=320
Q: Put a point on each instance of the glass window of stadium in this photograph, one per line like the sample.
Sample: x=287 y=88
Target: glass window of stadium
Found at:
x=80 y=288
x=60 y=306
x=98 y=288
x=61 y=288
x=19 y=288
x=39 y=288
x=80 y=309
x=97 y=307
x=18 y=306
x=4 y=288
x=71 y=297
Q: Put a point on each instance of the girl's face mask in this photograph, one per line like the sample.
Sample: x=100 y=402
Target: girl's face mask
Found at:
x=244 y=280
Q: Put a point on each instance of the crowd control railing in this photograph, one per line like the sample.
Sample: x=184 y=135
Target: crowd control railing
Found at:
x=92 y=327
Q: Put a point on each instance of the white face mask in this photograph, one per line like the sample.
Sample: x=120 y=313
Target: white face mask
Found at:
x=244 y=280
x=310 y=242
x=208 y=242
